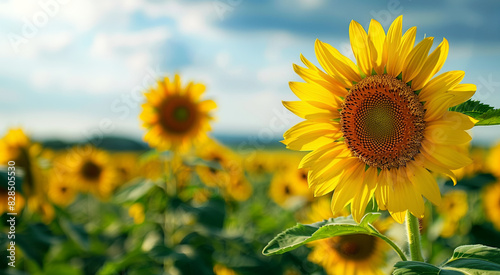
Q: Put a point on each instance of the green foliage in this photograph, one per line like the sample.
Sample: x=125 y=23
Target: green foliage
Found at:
x=302 y=234
x=467 y=259
x=486 y=114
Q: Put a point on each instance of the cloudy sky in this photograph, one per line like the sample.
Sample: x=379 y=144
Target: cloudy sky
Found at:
x=72 y=68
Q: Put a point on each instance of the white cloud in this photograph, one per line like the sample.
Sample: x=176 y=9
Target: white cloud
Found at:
x=275 y=75
x=223 y=59
x=115 y=44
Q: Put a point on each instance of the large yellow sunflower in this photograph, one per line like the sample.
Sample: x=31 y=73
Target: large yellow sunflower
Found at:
x=175 y=116
x=379 y=127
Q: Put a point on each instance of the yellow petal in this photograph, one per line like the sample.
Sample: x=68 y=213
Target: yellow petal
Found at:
x=393 y=41
x=435 y=166
x=196 y=90
x=395 y=65
x=416 y=205
x=440 y=134
x=445 y=155
x=407 y=42
x=316 y=76
x=432 y=65
x=424 y=182
x=305 y=110
x=312 y=92
x=416 y=58
x=309 y=159
x=440 y=85
x=457 y=120
x=376 y=39
x=308 y=126
x=364 y=194
x=359 y=45
x=461 y=92
x=348 y=187
x=310 y=141
x=327 y=186
x=207 y=105
x=335 y=63
x=398 y=216
x=437 y=107
x=324 y=170
x=384 y=187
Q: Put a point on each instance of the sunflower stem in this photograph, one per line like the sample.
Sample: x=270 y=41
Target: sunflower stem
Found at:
x=169 y=216
x=414 y=243
x=391 y=243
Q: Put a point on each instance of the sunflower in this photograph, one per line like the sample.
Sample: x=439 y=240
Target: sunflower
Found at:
x=453 y=208
x=258 y=164
x=223 y=165
x=492 y=204
x=90 y=169
x=220 y=269
x=239 y=188
x=136 y=211
x=125 y=165
x=151 y=167
x=39 y=204
x=5 y=199
x=175 y=116
x=61 y=191
x=454 y=205
x=348 y=254
x=379 y=127
x=289 y=188
x=17 y=146
x=14 y=147
x=492 y=162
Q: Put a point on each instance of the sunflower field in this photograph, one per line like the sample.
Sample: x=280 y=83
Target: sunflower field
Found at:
x=379 y=176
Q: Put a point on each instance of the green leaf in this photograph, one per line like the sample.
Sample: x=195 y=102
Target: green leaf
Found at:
x=475 y=259
x=467 y=259
x=76 y=233
x=35 y=241
x=492 y=117
x=133 y=192
x=486 y=114
x=419 y=268
x=472 y=108
x=62 y=269
x=301 y=234
x=477 y=251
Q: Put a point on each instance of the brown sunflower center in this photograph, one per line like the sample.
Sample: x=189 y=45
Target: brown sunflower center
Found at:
x=382 y=121
x=215 y=159
x=287 y=190
x=91 y=171
x=303 y=174
x=355 y=246
x=178 y=115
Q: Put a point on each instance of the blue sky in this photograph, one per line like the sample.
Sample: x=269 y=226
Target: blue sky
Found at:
x=73 y=68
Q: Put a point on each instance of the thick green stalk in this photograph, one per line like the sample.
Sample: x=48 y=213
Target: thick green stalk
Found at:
x=414 y=243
